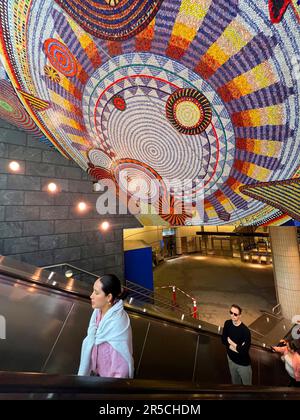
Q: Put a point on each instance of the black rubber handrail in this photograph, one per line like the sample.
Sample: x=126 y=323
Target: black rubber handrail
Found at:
x=25 y=383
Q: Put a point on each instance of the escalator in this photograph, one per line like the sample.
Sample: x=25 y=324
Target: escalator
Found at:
x=46 y=319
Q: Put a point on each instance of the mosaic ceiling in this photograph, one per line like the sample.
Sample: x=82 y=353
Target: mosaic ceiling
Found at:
x=12 y=110
x=198 y=90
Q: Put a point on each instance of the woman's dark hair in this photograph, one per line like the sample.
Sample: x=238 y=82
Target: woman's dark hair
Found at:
x=111 y=284
x=294 y=345
x=237 y=307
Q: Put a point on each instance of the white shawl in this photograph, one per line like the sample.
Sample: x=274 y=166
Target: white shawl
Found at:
x=114 y=329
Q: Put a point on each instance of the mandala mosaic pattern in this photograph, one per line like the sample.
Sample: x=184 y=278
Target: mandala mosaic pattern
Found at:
x=189 y=111
x=112 y=19
x=137 y=177
x=146 y=88
x=102 y=80
x=99 y=158
x=12 y=111
x=60 y=57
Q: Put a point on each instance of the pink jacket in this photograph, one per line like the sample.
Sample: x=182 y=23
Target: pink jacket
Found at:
x=107 y=362
x=295 y=360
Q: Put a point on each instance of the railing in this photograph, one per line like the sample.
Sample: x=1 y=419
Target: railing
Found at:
x=156 y=300
x=51 y=387
x=277 y=307
x=80 y=270
x=174 y=298
x=134 y=292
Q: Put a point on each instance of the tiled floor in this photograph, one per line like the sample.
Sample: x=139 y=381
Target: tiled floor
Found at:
x=216 y=283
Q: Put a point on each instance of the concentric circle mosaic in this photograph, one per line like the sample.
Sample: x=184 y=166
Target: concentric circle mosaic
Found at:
x=11 y=109
x=60 y=57
x=204 y=96
x=99 y=173
x=146 y=88
x=99 y=158
x=138 y=178
x=189 y=111
x=112 y=19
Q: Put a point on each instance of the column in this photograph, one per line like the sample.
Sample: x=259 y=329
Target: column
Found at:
x=198 y=243
x=286 y=266
x=178 y=242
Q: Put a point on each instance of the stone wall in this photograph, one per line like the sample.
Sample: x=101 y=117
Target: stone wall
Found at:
x=43 y=228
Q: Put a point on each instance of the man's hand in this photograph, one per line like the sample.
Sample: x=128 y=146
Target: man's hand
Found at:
x=230 y=342
x=233 y=348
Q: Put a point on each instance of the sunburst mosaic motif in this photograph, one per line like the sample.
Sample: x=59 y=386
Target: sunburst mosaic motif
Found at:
x=205 y=90
x=188 y=111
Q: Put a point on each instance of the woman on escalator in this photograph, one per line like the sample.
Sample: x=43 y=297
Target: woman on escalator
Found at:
x=290 y=350
x=107 y=349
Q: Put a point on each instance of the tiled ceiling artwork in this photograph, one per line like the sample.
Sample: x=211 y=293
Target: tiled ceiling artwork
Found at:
x=200 y=90
x=12 y=110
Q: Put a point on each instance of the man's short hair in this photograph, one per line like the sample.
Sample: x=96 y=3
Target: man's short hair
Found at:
x=237 y=307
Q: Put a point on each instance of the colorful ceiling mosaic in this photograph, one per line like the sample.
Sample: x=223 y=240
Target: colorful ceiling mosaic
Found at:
x=112 y=19
x=12 y=110
x=284 y=195
x=205 y=93
x=277 y=9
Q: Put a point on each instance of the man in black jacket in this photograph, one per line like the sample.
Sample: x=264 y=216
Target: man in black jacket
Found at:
x=237 y=339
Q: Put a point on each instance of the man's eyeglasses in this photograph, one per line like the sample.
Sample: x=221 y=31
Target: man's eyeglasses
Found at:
x=233 y=313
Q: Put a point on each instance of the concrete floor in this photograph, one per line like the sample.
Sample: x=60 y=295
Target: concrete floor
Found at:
x=216 y=283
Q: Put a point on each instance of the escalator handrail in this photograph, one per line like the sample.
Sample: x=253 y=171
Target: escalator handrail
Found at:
x=20 y=382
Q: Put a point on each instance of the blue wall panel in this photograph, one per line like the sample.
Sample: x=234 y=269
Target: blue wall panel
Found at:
x=138 y=267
